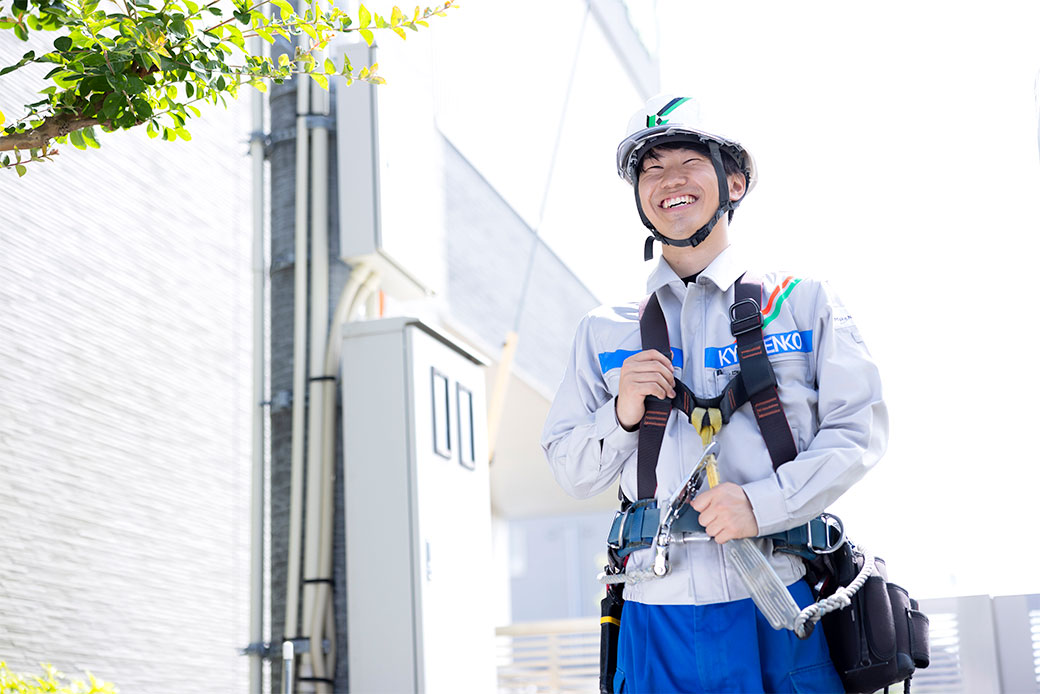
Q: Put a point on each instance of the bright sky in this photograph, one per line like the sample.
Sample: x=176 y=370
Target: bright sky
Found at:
x=898 y=149
x=897 y=144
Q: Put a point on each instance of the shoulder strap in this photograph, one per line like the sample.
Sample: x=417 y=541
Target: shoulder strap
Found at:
x=654 y=333
x=755 y=383
x=756 y=373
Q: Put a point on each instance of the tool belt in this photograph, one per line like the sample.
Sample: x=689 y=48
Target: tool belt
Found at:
x=636 y=527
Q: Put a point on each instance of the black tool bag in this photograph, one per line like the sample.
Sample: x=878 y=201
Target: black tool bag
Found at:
x=882 y=637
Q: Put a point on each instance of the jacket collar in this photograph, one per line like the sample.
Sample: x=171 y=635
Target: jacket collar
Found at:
x=723 y=272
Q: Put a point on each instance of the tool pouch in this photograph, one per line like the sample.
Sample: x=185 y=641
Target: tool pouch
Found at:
x=882 y=637
x=912 y=650
x=609 y=629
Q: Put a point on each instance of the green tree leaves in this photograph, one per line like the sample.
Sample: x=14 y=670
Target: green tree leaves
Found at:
x=398 y=20
x=51 y=680
x=285 y=8
x=126 y=63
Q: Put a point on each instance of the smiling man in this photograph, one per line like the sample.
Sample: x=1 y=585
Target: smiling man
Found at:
x=802 y=423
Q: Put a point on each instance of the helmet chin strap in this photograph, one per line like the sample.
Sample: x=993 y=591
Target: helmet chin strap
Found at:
x=725 y=206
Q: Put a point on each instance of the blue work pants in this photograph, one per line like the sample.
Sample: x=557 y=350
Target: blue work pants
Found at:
x=722 y=647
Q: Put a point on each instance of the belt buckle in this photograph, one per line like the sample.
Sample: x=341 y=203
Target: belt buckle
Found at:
x=745 y=324
x=829 y=521
x=621 y=529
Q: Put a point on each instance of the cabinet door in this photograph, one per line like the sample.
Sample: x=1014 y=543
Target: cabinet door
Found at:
x=453 y=553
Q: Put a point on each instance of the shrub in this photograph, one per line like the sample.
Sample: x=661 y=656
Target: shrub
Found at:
x=50 y=683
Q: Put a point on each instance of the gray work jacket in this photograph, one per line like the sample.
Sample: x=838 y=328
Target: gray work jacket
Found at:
x=828 y=385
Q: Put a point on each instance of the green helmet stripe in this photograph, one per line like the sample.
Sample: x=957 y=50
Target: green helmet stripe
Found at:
x=672 y=105
x=658 y=119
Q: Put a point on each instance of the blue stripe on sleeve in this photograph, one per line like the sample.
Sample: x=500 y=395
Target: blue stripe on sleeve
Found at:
x=614 y=360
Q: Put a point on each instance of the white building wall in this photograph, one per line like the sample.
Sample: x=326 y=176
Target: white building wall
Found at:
x=125 y=389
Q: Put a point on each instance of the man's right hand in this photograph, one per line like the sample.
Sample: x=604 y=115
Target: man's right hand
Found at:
x=645 y=373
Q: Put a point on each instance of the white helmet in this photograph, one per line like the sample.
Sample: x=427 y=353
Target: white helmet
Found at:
x=665 y=119
x=677 y=118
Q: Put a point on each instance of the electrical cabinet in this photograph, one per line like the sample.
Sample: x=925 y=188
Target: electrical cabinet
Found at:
x=418 y=512
x=391 y=168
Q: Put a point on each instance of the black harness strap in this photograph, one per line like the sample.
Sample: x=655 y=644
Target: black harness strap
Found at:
x=654 y=333
x=755 y=383
x=731 y=399
x=756 y=373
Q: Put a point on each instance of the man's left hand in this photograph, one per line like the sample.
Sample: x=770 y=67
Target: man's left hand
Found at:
x=726 y=513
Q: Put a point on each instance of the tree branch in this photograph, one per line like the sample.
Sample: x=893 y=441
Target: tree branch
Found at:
x=53 y=126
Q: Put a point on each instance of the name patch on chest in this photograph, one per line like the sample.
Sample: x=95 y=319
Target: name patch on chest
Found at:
x=781 y=343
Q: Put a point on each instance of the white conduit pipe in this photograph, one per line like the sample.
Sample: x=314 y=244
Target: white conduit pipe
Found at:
x=319 y=316
x=372 y=306
x=256 y=548
x=368 y=288
x=354 y=296
x=346 y=299
x=292 y=583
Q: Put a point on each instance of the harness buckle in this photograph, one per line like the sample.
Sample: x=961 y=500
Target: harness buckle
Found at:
x=829 y=521
x=620 y=542
x=740 y=325
x=661 y=542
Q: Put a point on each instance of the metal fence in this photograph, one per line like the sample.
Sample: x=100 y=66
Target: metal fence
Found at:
x=979 y=645
x=549 y=657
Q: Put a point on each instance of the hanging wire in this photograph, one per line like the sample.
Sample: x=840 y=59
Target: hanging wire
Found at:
x=1036 y=103
x=535 y=240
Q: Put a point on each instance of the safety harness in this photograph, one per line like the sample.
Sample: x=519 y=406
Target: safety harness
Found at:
x=635 y=526
x=876 y=633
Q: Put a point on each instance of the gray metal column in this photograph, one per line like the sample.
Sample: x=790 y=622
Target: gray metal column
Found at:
x=282 y=155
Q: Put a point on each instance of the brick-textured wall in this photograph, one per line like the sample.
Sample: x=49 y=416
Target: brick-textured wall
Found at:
x=125 y=390
x=125 y=396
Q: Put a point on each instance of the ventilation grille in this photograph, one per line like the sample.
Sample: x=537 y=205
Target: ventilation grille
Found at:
x=1034 y=630
x=943 y=675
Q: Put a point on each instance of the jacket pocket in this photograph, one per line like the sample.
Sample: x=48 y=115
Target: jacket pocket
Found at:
x=790 y=367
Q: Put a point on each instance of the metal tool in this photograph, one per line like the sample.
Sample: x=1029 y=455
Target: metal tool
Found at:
x=767 y=591
x=683 y=495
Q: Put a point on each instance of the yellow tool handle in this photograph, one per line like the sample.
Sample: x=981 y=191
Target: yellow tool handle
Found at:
x=708 y=423
x=711 y=469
